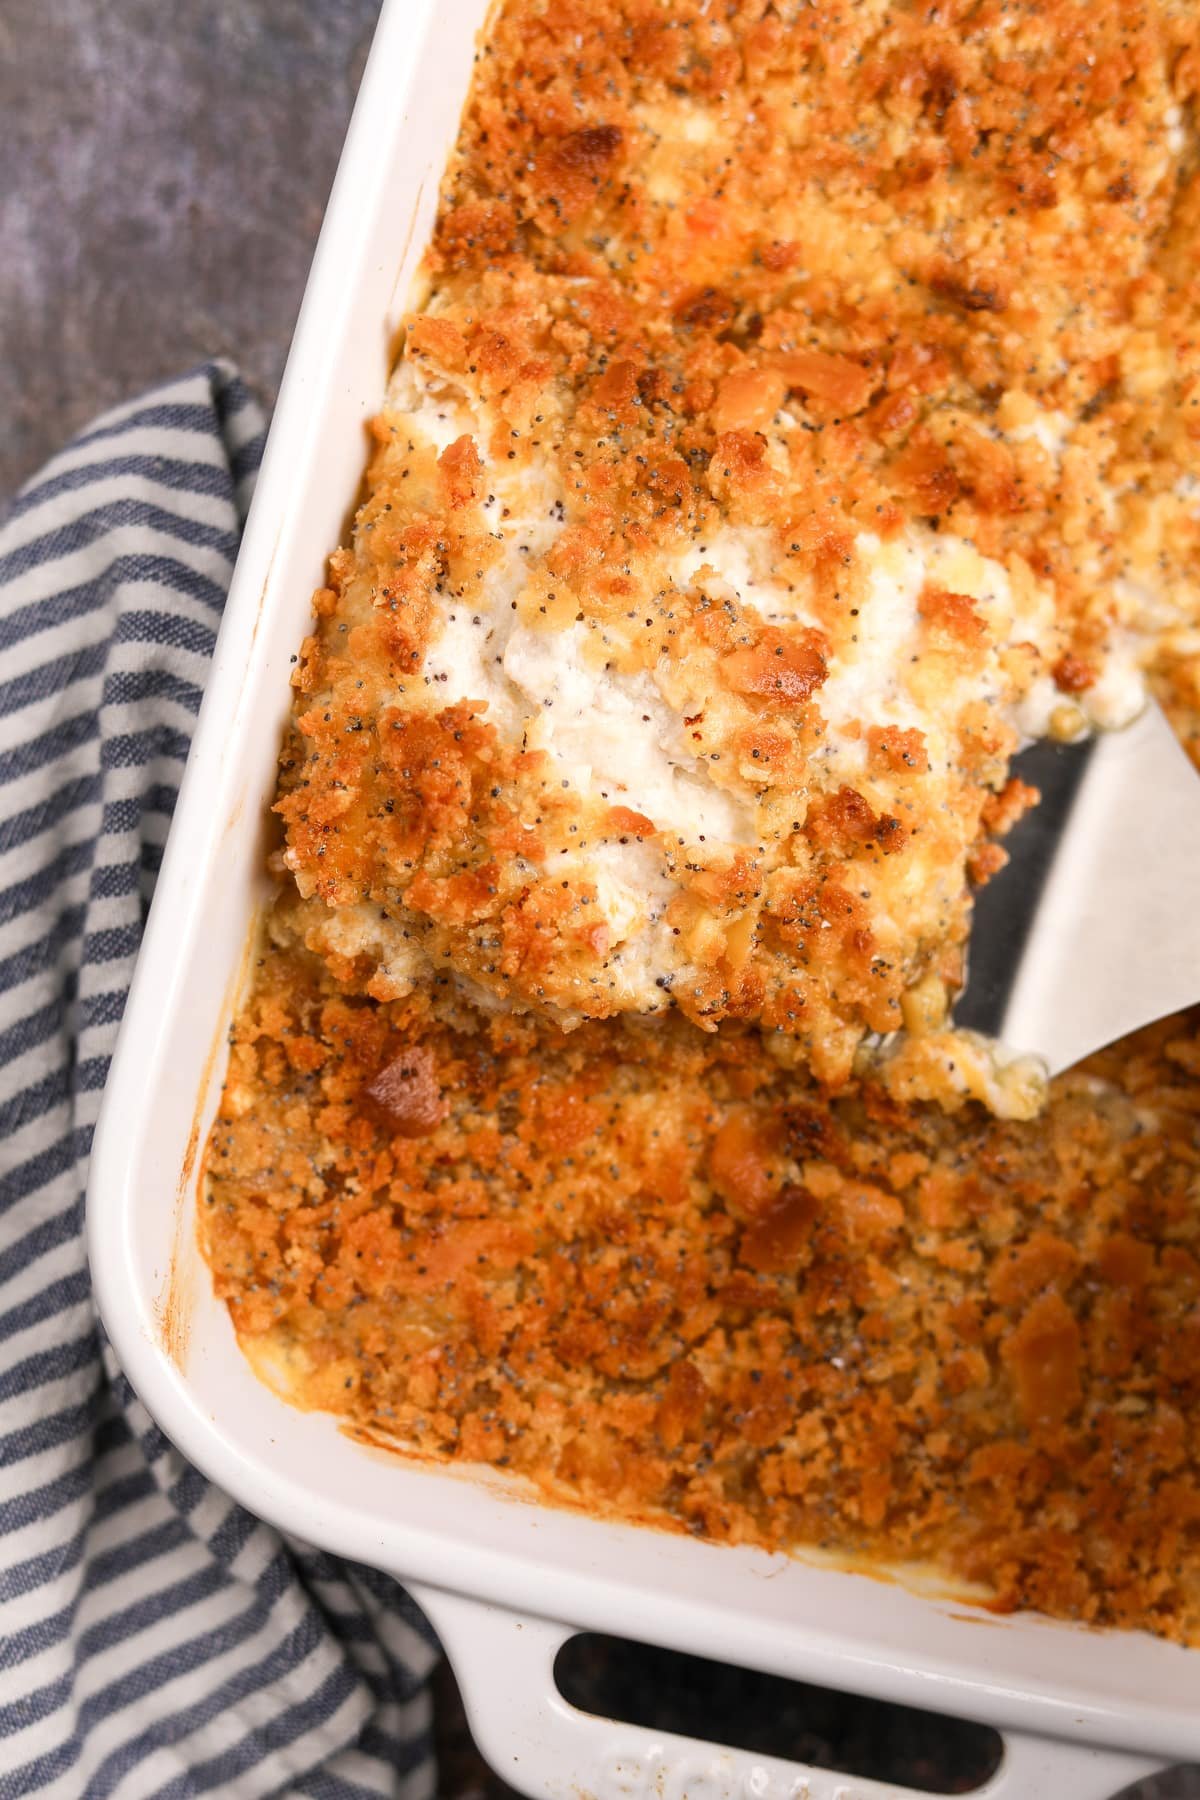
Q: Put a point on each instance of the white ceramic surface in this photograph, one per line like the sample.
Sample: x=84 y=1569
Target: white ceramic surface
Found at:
x=505 y=1580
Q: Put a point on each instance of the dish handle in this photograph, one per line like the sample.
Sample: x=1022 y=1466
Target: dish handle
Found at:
x=543 y=1746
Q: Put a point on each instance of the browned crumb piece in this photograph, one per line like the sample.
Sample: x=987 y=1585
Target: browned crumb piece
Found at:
x=405 y=1096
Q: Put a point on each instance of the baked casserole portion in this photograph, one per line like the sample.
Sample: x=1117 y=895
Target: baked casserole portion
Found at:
x=802 y=411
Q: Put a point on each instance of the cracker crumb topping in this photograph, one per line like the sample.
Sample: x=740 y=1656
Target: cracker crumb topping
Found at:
x=803 y=412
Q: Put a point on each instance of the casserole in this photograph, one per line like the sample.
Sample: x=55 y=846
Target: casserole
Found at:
x=466 y=1546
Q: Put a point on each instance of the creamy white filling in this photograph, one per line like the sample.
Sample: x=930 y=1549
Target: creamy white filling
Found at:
x=1176 y=136
x=1049 y=429
x=614 y=734
x=616 y=738
x=1118 y=694
x=1038 y=706
x=465 y=661
x=743 y=558
x=440 y=409
x=868 y=679
x=866 y=684
x=610 y=732
x=1114 y=700
x=633 y=891
x=365 y=929
x=1143 y=607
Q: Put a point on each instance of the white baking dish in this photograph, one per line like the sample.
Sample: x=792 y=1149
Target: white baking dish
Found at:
x=505 y=1581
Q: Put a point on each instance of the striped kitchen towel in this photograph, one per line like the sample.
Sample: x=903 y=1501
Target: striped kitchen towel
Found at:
x=155 y=1639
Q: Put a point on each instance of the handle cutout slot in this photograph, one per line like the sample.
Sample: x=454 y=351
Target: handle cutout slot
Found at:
x=666 y=1690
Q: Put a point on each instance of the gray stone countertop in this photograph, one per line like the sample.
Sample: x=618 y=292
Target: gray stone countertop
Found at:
x=163 y=172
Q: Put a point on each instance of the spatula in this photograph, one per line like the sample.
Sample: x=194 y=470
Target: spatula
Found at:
x=1093 y=929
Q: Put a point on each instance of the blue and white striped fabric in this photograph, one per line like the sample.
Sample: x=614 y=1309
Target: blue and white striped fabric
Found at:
x=155 y=1639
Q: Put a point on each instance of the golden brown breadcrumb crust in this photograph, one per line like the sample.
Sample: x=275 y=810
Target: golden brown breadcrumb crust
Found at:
x=825 y=280
x=662 y=1279
x=648 y=1268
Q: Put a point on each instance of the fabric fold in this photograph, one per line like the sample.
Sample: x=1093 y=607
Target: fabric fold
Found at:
x=155 y=1638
